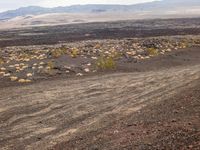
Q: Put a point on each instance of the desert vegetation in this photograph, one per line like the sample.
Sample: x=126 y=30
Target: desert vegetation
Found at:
x=113 y=85
x=26 y=64
x=105 y=62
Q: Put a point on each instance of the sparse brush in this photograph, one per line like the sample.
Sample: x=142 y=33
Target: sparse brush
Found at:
x=1 y=60
x=97 y=46
x=104 y=63
x=116 y=55
x=25 y=56
x=74 y=52
x=59 y=52
x=184 y=44
x=50 y=65
x=152 y=51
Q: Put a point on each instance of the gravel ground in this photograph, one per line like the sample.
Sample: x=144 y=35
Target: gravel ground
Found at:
x=138 y=110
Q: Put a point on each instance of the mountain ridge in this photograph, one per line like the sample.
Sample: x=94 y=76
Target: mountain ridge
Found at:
x=98 y=8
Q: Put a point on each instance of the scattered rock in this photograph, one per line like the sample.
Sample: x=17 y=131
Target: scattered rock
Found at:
x=79 y=74
x=7 y=75
x=13 y=78
x=3 y=69
x=29 y=74
x=87 y=70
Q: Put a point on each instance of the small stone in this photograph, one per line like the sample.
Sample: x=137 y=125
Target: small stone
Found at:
x=17 y=68
x=95 y=58
x=21 y=64
x=26 y=59
x=29 y=74
x=190 y=146
x=162 y=53
x=24 y=67
x=168 y=50
x=147 y=57
x=7 y=75
x=89 y=64
x=79 y=74
x=42 y=63
x=13 y=78
x=11 y=66
x=2 y=73
x=48 y=68
x=3 y=69
x=131 y=53
x=40 y=67
x=87 y=70
x=141 y=57
x=22 y=81
x=27 y=81
x=116 y=131
x=16 y=65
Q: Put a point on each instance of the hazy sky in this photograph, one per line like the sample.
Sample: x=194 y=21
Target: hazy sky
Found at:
x=14 y=4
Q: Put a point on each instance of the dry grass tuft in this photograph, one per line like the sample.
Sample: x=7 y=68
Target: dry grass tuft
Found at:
x=50 y=65
x=74 y=52
x=1 y=61
x=59 y=52
x=152 y=51
x=104 y=63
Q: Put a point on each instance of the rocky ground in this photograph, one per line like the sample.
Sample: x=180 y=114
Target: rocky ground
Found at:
x=105 y=30
x=126 y=93
x=138 y=110
x=34 y=63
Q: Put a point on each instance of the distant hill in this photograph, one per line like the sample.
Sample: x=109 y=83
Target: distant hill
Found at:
x=163 y=5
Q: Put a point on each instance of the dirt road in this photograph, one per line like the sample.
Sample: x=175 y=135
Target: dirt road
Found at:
x=42 y=115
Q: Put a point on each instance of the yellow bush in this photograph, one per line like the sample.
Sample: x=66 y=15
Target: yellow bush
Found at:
x=1 y=61
x=50 y=65
x=152 y=51
x=25 y=56
x=105 y=63
x=116 y=55
x=74 y=52
x=59 y=52
x=97 y=46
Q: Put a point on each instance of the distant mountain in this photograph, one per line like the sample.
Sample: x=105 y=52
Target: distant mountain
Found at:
x=162 y=5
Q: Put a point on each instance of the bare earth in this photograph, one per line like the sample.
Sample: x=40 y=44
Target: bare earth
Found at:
x=42 y=115
x=148 y=101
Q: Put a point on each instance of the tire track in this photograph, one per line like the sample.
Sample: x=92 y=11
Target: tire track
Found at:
x=41 y=115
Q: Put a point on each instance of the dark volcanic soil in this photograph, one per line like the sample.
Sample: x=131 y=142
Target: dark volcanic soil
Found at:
x=152 y=109
x=176 y=58
x=107 y=30
x=143 y=104
x=170 y=124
